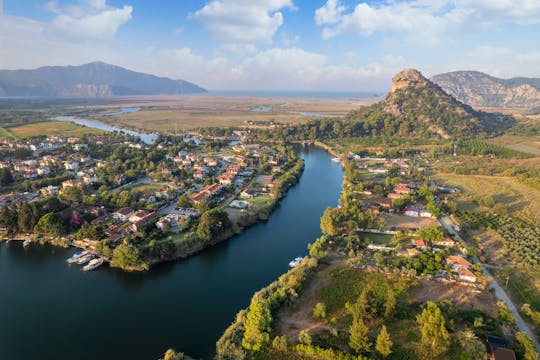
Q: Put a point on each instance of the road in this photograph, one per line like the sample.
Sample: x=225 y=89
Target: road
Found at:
x=499 y=291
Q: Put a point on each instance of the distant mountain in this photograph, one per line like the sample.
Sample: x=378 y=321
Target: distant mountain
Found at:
x=479 y=89
x=417 y=107
x=96 y=79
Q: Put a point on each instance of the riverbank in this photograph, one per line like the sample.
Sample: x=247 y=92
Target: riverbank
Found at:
x=193 y=245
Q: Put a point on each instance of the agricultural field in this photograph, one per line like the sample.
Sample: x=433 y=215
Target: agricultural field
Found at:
x=4 y=134
x=507 y=191
x=171 y=114
x=493 y=148
x=527 y=144
x=47 y=128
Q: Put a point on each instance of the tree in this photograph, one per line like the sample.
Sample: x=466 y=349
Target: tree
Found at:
x=50 y=224
x=505 y=315
x=304 y=337
x=25 y=218
x=390 y=303
x=8 y=219
x=125 y=256
x=257 y=326
x=330 y=222
x=435 y=338
x=433 y=209
x=6 y=177
x=358 y=338
x=173 y=355
x=184 y=202
x=528 y=347
x=384 y=343
x=319 y=312
x=280 y=343
x=212 y=223
x=431 y=233
x=470 y=345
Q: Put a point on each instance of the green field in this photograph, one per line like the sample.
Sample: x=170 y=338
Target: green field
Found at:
x=260 y=202
x=47 y=128
x=4 y=134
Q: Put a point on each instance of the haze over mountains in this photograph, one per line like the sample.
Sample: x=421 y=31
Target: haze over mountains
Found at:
x=95 y=79
x=479 y=89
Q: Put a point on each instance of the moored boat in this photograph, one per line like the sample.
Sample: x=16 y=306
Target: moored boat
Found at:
x=27 y=242
x=93 y=264
x=76 y=256
x=336 y=159
x=295 y=262
x=84 y=259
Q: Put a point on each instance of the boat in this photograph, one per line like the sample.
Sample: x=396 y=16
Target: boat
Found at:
x=84 y=259
x=76 y=256
x=93 y=264
x=296 y=261
x=336 y=159
x=27 y=242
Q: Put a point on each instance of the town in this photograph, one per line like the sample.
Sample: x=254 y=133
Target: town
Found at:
x=134 y=204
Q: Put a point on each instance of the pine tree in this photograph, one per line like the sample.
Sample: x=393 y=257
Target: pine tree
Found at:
x=435 y=338
x=384 y=343
x=358 y=339
x=390 y=304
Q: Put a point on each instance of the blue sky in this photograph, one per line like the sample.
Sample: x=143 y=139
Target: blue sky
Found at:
x=342 y=45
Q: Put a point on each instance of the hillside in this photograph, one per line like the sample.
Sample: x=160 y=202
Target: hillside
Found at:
x=479 y=89
x=417 y=107
x=95 y=79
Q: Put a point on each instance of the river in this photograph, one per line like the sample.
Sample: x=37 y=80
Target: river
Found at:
x=54 y=311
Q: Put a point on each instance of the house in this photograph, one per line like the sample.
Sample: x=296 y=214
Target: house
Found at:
x=402 y=189
x=446 y=242
x=138 y=216
x=498 y=349
x=71 y=183
x=123 y=214
x=71 y=165
x=458 y=261
x=247 y=194
x=393 y=195
x=200 y=196
x=466 y=275
x=413 y=211
x=412 y=252
x=149 y=198
x=90 y=178
x=49 y=190
x=276 y=169
x=145 y=220
x=420 y=244
x=426 y=214
x=198 y=174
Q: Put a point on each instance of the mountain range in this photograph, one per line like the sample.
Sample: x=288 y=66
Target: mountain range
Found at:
x=92 y=80
x=482 y=90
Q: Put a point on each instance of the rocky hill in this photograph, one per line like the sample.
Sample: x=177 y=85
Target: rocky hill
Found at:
x=479 y=89
x=96 y=79
x=415 y=106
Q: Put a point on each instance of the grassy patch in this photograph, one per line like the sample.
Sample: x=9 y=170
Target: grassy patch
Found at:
x=47 y=128
x=379 y=239
x=261 y=202
x=4 y=134
x=147 y=188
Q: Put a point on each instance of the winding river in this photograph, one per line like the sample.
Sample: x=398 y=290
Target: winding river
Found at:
x=54 y=311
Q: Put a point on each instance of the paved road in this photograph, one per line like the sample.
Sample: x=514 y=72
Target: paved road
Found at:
x=499 y=291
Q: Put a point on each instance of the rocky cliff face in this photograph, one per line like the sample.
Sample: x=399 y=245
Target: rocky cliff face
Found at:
x=479 y=89
x=415 y=106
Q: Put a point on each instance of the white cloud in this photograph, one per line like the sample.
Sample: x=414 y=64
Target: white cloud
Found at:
x=275 y=68
x=330 y=13
x=423 y=20
x=243 y=21
x=95 y=19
